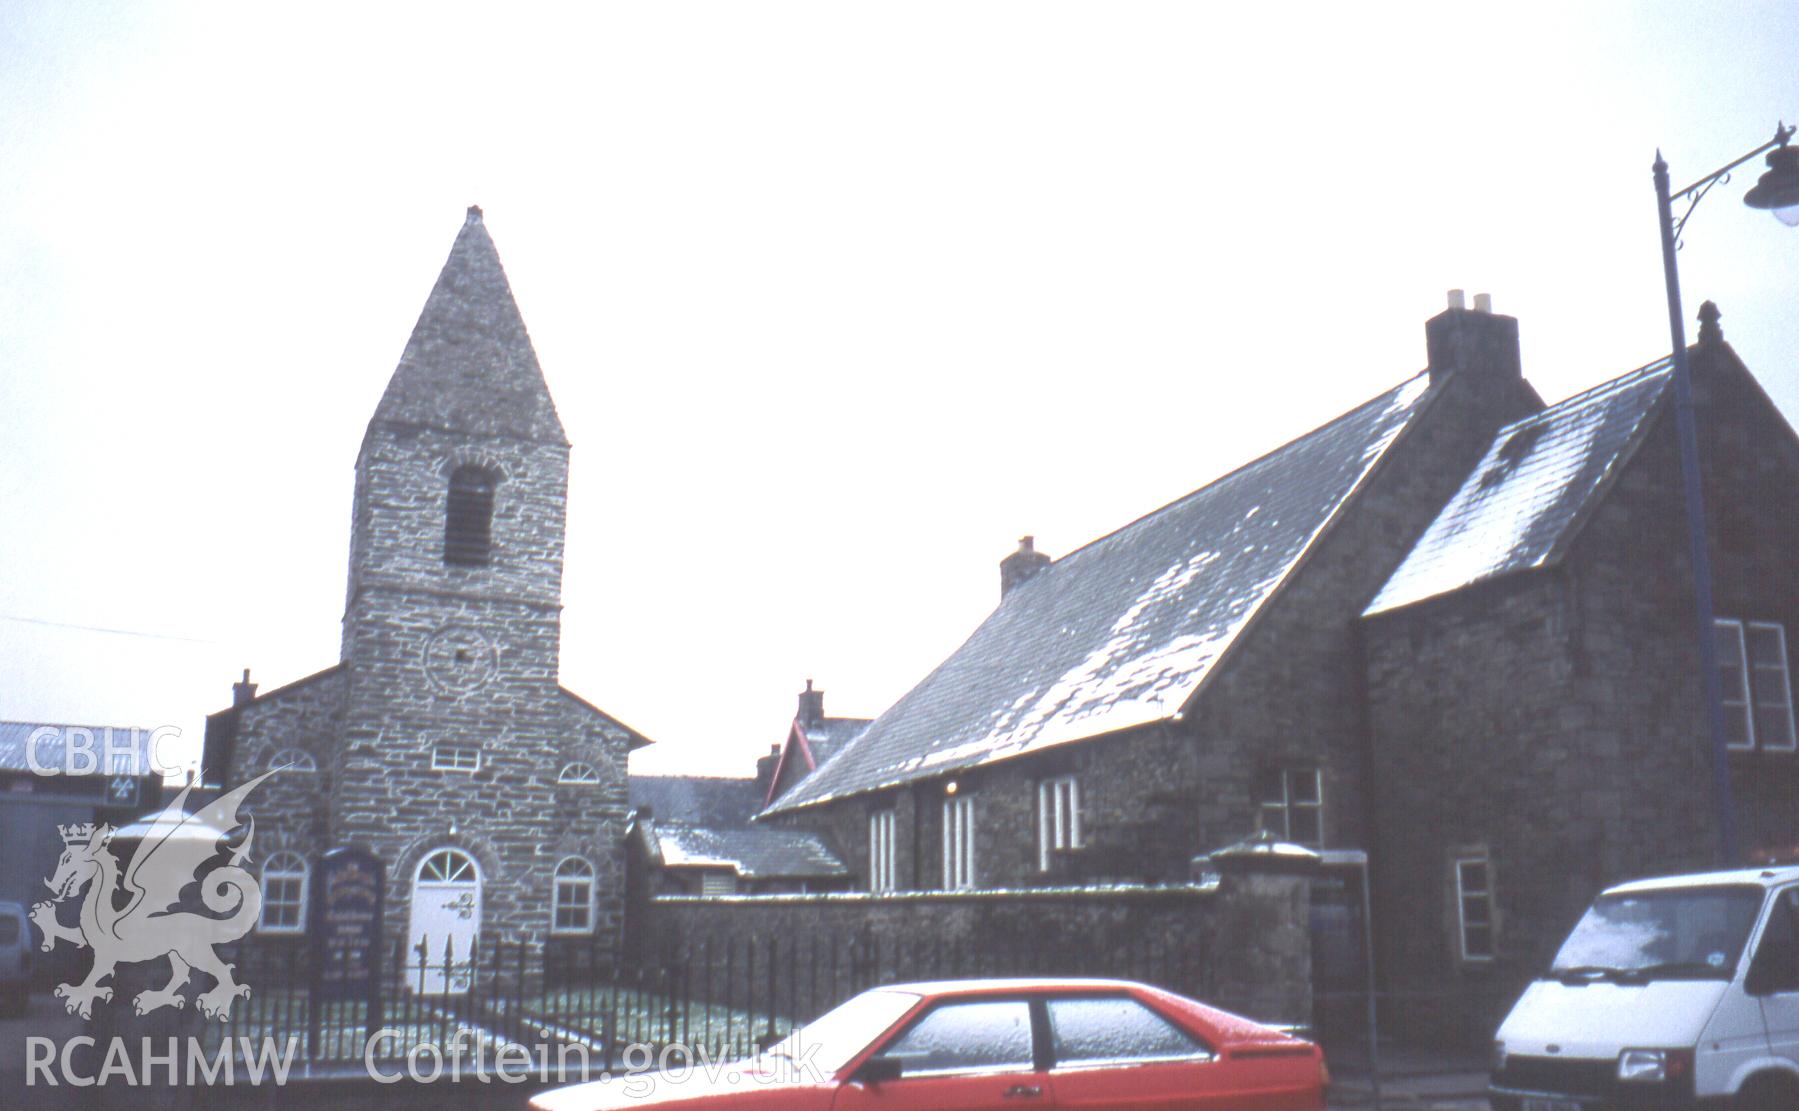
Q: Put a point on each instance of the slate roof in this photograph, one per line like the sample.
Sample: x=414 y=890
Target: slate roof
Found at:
x=698 y=800
x=131 y=747
x=1523 y=504
x=825 y=736
x=1124 y=631
x=469 y=365
x=609 y=725
x=763 y=852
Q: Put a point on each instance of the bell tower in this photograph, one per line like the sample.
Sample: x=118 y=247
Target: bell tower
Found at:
x=442 y=741
x=451 y=627
x=461 y=481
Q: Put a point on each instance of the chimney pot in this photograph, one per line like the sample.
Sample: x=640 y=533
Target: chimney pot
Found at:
x=1456 y=299
x=1483 y=302
x=812 y=705
x=1480 y=342
x=243 y=691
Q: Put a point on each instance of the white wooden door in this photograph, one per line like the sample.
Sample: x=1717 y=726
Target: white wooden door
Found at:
x=446 y=919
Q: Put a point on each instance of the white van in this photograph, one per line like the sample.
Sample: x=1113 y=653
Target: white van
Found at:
x=1669 y=992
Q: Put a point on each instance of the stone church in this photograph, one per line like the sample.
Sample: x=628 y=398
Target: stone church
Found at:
x=442 y=740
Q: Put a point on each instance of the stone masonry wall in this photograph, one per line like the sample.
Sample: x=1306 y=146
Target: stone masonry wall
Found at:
x=402 y=491
x=1469 y=703
x=468 y=656
x=1241 y=945
x=290 y=809
x=1293 y=695
x=1752 y=506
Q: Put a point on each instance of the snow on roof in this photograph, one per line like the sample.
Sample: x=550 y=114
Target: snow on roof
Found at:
x=702 y=800
x=1121 y=632
x=751 y=853
x=1521 y=506
x=826 y=735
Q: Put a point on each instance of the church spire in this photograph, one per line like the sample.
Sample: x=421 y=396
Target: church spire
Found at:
x=469 y=366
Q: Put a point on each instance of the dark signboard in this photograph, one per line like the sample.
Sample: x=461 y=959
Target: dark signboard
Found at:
x=348 y=888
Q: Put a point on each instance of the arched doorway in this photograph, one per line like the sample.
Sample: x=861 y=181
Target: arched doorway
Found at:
x=446 y=919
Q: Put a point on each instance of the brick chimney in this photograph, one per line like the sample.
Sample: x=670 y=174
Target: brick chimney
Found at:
x=1477 y=340
x=244 y=691
x=765 y=770
x=1018 y=567
x=812 y=706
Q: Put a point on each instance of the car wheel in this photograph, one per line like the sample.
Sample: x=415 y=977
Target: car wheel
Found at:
x=1768 y=1092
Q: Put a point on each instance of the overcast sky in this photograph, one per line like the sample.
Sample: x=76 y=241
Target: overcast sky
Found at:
x=836 y=300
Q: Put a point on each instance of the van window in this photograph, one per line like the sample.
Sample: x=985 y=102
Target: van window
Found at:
x=1677 y=933
x=1776 y=966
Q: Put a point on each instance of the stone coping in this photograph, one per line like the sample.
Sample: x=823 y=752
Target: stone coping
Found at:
x=998 y=894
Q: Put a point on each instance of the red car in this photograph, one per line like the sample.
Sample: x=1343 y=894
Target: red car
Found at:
x=1015 y=1044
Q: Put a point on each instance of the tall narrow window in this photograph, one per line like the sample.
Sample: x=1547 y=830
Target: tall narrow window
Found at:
x=958 y=843
x=468 y=520
x=1058 y=819
x=1771 y=684
x=571 y=905
x=882 y=874
x=1292 y=805
x=1474 y=907
x=283 y=894
x=1733 y=684
x=1755 y=684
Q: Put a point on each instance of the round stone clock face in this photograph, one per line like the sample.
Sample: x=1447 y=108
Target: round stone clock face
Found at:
x=460 y=659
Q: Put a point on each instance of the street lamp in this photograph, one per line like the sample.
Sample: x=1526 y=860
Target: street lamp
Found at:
x=1778 y=190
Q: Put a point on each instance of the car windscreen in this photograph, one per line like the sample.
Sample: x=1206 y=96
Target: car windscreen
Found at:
x=831 y=1040
x=1674 y=933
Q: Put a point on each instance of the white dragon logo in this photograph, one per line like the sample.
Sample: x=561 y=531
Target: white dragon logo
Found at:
x=148 y=924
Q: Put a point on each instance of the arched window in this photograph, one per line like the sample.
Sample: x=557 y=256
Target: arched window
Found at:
x=448 y=866
x=578 y=773
x=571 y=905
x=468 y=520
x=283 y=894
x=293 y=760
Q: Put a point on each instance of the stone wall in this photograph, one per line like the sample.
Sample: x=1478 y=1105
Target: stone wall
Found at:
x=1293 y=695
x=1241 y=944
x=290 y=807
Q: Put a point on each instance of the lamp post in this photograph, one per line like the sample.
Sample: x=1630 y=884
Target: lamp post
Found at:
x=1778 y=191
